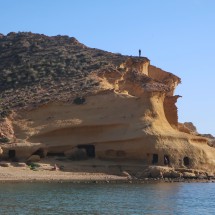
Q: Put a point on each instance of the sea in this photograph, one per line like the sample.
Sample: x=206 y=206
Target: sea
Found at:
x=75 y=198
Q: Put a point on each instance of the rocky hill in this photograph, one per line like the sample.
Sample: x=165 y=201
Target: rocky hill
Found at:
x=60 y=97
x=39 y=68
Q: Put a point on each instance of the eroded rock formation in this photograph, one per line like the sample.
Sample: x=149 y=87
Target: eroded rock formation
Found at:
x=60 y=97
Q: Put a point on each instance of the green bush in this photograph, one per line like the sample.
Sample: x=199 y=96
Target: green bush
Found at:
x=33 y=166
x=4 y=140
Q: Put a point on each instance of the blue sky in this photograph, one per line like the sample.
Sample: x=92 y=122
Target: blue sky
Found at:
x=176 y=35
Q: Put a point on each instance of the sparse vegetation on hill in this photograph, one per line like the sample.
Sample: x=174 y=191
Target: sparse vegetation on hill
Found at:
x=35 y=69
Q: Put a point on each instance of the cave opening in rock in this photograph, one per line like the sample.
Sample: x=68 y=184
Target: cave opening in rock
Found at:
x=12 y=154
x=166 y=160
x=90 y=150
x=186 y=161
x=55 y=154
x=39 y=152
x=154 y=158
x=79 y=100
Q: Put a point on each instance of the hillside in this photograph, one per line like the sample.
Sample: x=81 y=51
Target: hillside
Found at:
x=41 y=68
x=60 y=97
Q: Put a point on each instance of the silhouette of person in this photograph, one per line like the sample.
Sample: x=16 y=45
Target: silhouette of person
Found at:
x=139 y=52
x=166 y=160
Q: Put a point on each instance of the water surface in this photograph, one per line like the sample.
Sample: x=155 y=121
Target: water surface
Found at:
x=69 y=198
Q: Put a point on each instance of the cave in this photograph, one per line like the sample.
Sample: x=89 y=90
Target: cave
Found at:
x=186 y=161
x=12 y=154
x=55 y=154
x=154 y=158
x=90 y=150
x=79 y=100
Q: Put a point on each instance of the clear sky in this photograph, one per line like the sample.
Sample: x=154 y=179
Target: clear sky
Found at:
x=176 y=35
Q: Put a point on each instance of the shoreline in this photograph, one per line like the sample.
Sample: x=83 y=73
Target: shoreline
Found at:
x=29 y=176
x=84 y=181
x=87 y=172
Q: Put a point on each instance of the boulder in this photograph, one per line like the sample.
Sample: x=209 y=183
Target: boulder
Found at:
x=142 y=175
x=21 y=164
x=209 y=175
x=189 y=175
x=5 y=164
x=175 y=174
x=211 y=143
x=34 y=158
x=125 y=173
x=191 y=126
x=182 y=170
x=159 y=171
x=156 y=172
x=201 y=176
x=167 y=173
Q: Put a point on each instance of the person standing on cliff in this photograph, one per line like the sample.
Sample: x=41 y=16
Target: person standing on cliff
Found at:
x=139 y=52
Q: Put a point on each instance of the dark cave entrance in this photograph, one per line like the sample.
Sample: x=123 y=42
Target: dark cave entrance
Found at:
x=186 y=161
x=12 y=154
x=79 y=100
x=154 y=159
x=90 y=150
x=55 y=154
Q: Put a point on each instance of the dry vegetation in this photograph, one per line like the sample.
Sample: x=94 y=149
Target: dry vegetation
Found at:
x=36 y=68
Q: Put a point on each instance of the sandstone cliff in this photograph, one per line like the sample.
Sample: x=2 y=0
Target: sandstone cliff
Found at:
x=58 y=96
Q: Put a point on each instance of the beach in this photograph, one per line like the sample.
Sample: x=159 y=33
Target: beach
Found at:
x=68 y=171
x=85 y=171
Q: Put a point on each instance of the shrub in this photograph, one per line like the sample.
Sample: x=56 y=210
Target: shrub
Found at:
x=4 y=140
x=33 y=166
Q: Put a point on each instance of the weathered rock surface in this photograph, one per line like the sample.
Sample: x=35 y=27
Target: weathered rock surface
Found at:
x=188 y=127
x=189 y=175
x=76 y=154
x=58 y=96
x=34 y=158
x=5 y=164
x=174 y=173
x=21 y=165
x=163 y=172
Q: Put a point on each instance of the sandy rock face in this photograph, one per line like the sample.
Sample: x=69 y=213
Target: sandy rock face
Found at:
x=76 y=154
x=61 y=98
x=34 y=158
x=189 y=175
x=188 y=127
x=6 y=131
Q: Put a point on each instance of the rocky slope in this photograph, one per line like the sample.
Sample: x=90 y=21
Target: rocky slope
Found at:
x=59 y=97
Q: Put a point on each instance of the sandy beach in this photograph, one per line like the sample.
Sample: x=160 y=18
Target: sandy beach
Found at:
x=85 y=171
x=25 y=174
x=68 y=171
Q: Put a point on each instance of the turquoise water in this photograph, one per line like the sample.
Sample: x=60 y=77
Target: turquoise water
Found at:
x=68 y=198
